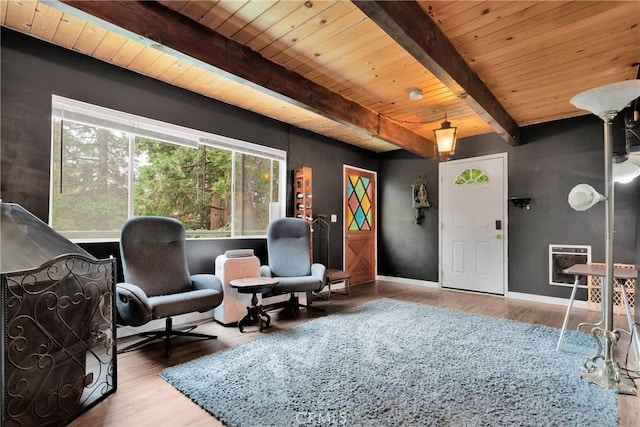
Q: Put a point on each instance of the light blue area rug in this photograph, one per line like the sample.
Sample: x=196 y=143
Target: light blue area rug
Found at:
x=393 y=363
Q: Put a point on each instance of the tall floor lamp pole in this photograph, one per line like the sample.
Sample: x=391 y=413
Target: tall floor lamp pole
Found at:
x=605 y=102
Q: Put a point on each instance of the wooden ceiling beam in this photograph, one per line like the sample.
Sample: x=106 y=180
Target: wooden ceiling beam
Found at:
x=171 y=32
x=408 y=24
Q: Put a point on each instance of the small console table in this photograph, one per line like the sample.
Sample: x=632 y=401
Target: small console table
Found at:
x=255 y=313
x=596 y=270
x=336 y=276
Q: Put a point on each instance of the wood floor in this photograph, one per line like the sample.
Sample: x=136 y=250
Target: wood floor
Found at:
x=144 y=399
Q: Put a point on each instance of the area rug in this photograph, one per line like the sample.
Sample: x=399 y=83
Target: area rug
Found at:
x=394 y=363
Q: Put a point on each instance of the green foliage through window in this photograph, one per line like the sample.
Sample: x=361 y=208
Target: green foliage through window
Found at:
x=96 y=185
x=471 y=176
x=190 y=184
x=90 y=178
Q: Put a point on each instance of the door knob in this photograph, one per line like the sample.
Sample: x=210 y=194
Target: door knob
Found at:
x=498 y=236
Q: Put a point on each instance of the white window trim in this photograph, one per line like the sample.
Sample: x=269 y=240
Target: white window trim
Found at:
x=83 y=112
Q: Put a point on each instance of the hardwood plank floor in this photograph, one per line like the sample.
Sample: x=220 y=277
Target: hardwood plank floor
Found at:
x=145 y=399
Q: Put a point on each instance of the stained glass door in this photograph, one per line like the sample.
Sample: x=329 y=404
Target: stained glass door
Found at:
x=360 y=224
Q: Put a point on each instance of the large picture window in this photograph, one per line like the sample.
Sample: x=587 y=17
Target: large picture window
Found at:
x=108 y=166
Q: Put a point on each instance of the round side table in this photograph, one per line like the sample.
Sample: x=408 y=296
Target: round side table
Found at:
x=255 y=286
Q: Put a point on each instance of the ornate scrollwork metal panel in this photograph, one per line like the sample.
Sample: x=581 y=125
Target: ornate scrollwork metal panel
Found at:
x=58 y=340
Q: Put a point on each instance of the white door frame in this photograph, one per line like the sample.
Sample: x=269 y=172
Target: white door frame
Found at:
x=344 y=219
x=505 y=212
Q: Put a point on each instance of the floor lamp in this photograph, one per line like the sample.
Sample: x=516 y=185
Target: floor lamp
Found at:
x=605 y=102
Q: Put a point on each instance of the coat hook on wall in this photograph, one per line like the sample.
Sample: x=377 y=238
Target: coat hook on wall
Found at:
x=419 y=198
x=521 y=202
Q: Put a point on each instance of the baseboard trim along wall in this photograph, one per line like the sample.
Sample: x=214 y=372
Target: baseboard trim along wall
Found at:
x=512 y=295
x=545 y=299
x=406 y=281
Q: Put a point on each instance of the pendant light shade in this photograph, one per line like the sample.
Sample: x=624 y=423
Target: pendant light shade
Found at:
x=446 y=138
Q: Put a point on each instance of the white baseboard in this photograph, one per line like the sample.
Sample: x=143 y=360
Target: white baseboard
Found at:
x=545 y=299
x=512 y=295
x=406 y=281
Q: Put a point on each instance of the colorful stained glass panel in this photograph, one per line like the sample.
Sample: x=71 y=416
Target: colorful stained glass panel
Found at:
x=366 y=205
x=353 y=202
x=359 y=194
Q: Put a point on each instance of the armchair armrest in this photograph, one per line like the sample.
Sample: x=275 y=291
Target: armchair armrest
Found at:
x=132 y=305
x=265 y=271
x=319 y=271
x=207 y=281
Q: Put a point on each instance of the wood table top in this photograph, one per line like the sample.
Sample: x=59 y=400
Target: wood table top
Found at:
x=600 y=270
x=250 y=282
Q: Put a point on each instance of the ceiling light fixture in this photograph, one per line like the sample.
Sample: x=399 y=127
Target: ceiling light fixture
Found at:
x=446 y=138
x=415 y=94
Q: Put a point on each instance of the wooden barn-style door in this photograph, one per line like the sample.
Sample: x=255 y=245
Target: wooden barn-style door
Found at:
x=360 y=224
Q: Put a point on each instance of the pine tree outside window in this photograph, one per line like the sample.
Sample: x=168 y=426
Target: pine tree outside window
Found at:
x=108 y=166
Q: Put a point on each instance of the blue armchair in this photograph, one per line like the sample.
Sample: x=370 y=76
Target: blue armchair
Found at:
x=290 y=260
x=157 y=283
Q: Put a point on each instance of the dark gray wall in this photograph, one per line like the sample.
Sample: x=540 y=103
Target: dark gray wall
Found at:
x=407 y=249
x=552 y=159
x=326 y=158
x=33 y=70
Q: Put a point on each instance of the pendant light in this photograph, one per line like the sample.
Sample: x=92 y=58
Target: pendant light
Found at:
x=446 y=138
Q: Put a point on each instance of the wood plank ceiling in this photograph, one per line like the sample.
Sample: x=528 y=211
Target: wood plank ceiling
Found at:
x=344 y=69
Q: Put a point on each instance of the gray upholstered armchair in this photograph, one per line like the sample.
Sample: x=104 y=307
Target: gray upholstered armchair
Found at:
x=157 y=281
x=290 y=260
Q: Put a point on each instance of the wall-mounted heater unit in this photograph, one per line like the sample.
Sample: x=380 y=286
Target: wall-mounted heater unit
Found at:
x=564 y=256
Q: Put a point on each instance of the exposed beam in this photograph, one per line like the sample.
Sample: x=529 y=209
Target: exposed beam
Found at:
x=169 y=31
x=408 y=24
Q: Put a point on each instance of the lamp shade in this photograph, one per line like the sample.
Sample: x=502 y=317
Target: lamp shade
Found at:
x=446 y=138
x=584 y=196
x=625 y=172
x=608 y=98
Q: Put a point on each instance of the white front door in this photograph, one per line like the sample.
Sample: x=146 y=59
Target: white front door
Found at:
x=473 y=242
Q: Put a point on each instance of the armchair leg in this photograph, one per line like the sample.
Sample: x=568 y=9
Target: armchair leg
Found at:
x=165 y=334
x=294 y=305
x=312 y=307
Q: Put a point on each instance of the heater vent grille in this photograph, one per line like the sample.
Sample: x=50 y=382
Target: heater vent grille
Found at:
x=562 y=257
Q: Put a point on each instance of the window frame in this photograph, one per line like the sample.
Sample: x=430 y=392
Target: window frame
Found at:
x=70 y=109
